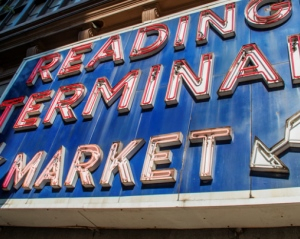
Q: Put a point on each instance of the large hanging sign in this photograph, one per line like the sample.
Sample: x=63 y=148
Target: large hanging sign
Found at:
x=198 y=108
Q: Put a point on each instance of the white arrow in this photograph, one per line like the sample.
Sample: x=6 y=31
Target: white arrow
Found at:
x=262 y=160
x=291 y=136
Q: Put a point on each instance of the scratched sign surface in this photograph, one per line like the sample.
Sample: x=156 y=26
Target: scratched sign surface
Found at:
x=204 y=102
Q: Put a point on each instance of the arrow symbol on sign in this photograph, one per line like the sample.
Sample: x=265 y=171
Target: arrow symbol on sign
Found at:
x=264 y=159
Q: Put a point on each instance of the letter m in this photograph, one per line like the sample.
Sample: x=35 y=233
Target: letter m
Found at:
x=20 y=173
x=125 y=87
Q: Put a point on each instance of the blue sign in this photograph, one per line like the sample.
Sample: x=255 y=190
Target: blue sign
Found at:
x=202 y=103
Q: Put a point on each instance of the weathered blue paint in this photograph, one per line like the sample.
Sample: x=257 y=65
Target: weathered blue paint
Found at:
x=251 y=111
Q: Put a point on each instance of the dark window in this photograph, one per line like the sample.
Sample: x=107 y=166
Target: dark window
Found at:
x=54 y=5
x=2 y=19
x=3 y=6
x=37 y=8
x=10 y=20
x=12 y=11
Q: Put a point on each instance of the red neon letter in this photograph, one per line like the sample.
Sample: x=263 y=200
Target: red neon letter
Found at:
x=43 y=68
x=139 y=51
x=8 y=107
x=155 y=157
x=72 y=64
x=82 y=168
x=180 y=39
x=280 y=13
x=208 y=139
x=118 y=160
x=226 y=27
x=102 y=87
x=64 y=106
x=250 y=64
x=53 y=171
x=25 y=120
x=294 y=54
x=151 y=87
x=112 y=49
x=199 y=85
x=19 y=169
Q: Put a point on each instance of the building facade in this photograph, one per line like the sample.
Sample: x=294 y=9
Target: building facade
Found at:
x=150 y=114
